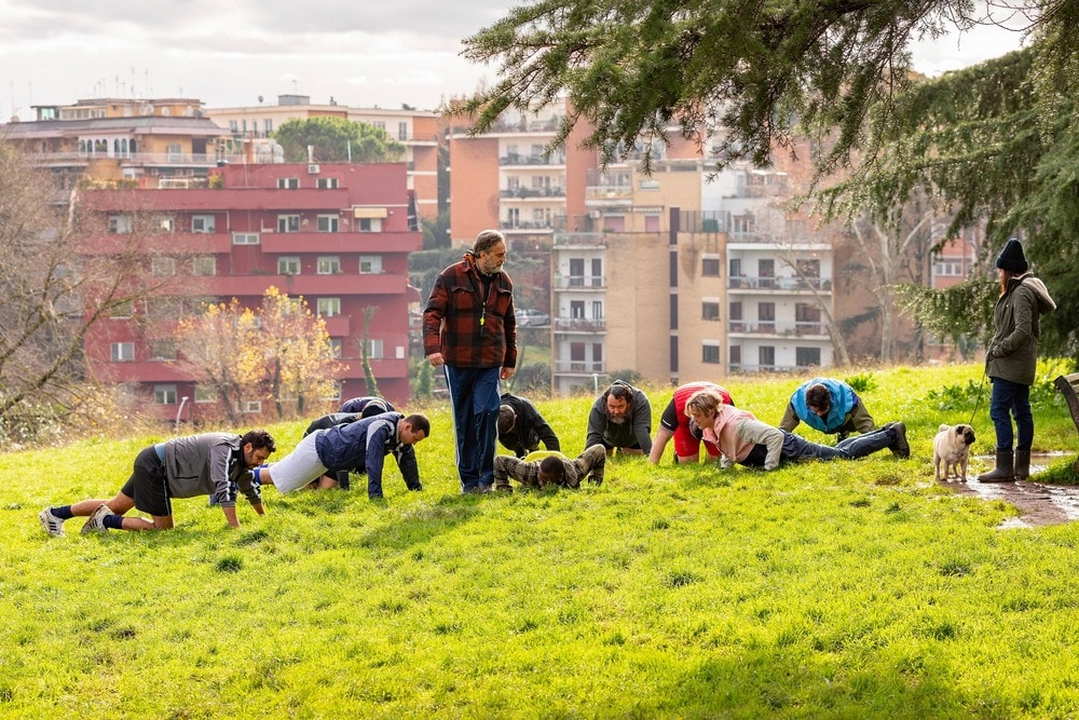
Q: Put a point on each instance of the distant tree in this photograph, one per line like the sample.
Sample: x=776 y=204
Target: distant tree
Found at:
x=365 y=351
x=331 y=138
x=424 y=380
x=436 y=232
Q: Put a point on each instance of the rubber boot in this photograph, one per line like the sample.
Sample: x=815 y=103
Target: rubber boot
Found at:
x=1002 y=472
x=1022 y=464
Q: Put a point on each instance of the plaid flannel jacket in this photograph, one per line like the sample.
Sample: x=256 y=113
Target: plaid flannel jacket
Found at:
x=468 y=330
x=589 y=464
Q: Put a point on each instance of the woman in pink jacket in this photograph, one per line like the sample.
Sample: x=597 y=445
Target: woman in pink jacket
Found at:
x=742 y=438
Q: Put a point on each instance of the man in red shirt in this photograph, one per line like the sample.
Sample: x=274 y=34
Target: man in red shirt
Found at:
x=469 y=329
x=675 y=423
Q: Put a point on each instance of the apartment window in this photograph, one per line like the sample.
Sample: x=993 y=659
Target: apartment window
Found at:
x=251 y=407
x=766 y=356
x=234 y=126
x=119 y=224
x=370 y=225
x=806 y=356
x=808 y=268
x=374 y=348
x=710 y=267
x=766 y=268
x=735 y=311
x=370 y=264
x=597 y=272
x=123 y=351
x=402 y=131
x=288 y=223
x=597 y=356
x=239 y=238
x=326 y=183
x=204 y=265
x=597 y=309
x=329 y=265
x=174 y=151
x=709 y=311
x=948 y=268
x=805 y=312
x=766 y=312
x=327 y=223
x=205 y=394
x=380 y=124
x=736 y=267
x=163 y=350
x=267 y=126
x=162 y=266
x=576 y=357
x=202 y=223
x=336 y=345
x=735 y=353
x=576 y=272
x=165 y=394
x=329 y=306
x=576 y=309
x=167 y=224
x=288 y=183
x=710 y=352
x=651 y=223
x=288 y=265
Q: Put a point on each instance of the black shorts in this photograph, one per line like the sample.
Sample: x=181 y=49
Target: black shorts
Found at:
x=148 y=486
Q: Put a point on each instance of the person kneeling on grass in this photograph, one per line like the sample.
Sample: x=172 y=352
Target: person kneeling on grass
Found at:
x=743 y=439
x=675 y=423
x=828 y=405
x=359 y=446
x=215 y=464
x=544 y=468
x=406 y=459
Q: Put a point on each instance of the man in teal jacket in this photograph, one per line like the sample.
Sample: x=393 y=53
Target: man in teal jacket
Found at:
x=828 y=405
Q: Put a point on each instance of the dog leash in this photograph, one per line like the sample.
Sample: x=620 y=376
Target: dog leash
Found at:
x=978 y=403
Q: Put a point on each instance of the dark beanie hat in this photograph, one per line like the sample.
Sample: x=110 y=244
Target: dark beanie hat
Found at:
x=1011 y=258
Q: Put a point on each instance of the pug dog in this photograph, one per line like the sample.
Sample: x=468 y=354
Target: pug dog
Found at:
x=951 y=450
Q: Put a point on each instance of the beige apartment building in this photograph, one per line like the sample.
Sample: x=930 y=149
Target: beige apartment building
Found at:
x=418 y=130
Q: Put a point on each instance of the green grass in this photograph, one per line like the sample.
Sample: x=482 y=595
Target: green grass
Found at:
x=820 y=590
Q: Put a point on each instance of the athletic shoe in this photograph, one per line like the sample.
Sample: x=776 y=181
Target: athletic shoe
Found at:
x=900 y=447
x=96 y=523
x=52 y=524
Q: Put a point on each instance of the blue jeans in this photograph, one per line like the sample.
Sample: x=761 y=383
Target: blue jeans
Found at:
x=796 y=448
x=474 y=397
x=1008 y=396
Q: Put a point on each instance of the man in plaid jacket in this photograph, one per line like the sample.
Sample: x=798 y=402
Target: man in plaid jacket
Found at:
x=470 y=330
x=544 y=468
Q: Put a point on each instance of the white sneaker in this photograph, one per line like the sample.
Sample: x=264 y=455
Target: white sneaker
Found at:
x=52 y=524
x=96 y=523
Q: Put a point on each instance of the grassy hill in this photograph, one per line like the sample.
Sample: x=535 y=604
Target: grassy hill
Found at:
x=819 y=590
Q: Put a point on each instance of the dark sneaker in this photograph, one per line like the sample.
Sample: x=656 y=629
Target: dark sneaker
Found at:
x=900 y=447
x=52 y=524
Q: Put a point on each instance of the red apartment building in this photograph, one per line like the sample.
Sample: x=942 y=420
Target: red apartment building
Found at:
x=337 y=234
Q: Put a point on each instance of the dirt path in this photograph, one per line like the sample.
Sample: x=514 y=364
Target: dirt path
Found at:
x=1038 y=504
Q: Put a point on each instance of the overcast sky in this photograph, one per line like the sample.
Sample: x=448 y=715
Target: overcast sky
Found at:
x=360 y=52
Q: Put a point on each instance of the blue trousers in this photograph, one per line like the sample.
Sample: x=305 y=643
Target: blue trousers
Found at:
x=796 y=448
x=474 y=396
x=1014 y=397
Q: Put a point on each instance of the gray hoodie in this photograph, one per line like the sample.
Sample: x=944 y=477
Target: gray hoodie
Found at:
x=635 y=431
x=1013 y=351
x=209 y=464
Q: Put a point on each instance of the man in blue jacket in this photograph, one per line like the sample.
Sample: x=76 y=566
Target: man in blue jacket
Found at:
x=367 y=405
x=828 y=405
x=359 y=446
x=406 y=459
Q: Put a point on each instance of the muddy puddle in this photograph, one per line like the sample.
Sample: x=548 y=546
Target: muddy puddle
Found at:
x=1038 y=503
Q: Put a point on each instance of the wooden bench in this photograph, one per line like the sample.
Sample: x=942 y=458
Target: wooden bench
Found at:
x=1068 y=385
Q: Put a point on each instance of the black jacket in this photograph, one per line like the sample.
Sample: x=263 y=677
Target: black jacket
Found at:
x=529 y=429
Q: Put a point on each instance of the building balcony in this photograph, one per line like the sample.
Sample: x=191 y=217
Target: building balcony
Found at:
x=308 y=285
x=145 y=371
x=338 y=325
x=739 y=368
x=341 y=242
x=521 y=193
x=580 y=367
x=223 y=199
x=580 y=325
x=163 y=244
x=525 y=226
x=575 y=240
x=809 y=330
x=608 y=195
x=779 y=284
x=176 y=159
x=515 y=160
x=580 y=282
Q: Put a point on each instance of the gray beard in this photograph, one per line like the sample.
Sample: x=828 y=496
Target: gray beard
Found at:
x=618 y=421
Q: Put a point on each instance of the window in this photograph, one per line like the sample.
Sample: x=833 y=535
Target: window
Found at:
x=709 y=311
x=239 y=238
x=205 y=394
x=804 y=312
x=163 y=266
x=325 y=183
x=576 y=272
x=267 y=126
x=251 y=407
x=167 y=224
x=329 y=306
x=380 y=124
x=736 y=355
x=402 y=131
x=204 y=265
x=597 y=309
x=948 y=268
x=288 y=265
x=288 y=223
x=288 y=183
x=202 y=223
x=766 y=268
x=123 y=352
x=234 y=126
x=710 y=267
x=122 y=310
x=576 y=357
x=119 y=224
x=327 y=223
x=710 y=352
x=174 y=151
x=329 y=265
x=766 y=312
x=651 y=223
x=163 y=350
x=370 y=264
x=597 y=356
x=370 y=225
x=808 y=268
x=576 y=309
x=374 y=348
x=766 y=356
x=736 y=311
x=736 y=267
x=806 y=356
x=597 y=272
x=165 y=394
x=335 y=347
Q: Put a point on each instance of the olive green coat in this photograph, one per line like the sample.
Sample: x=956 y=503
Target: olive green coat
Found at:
x=1013 y=351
